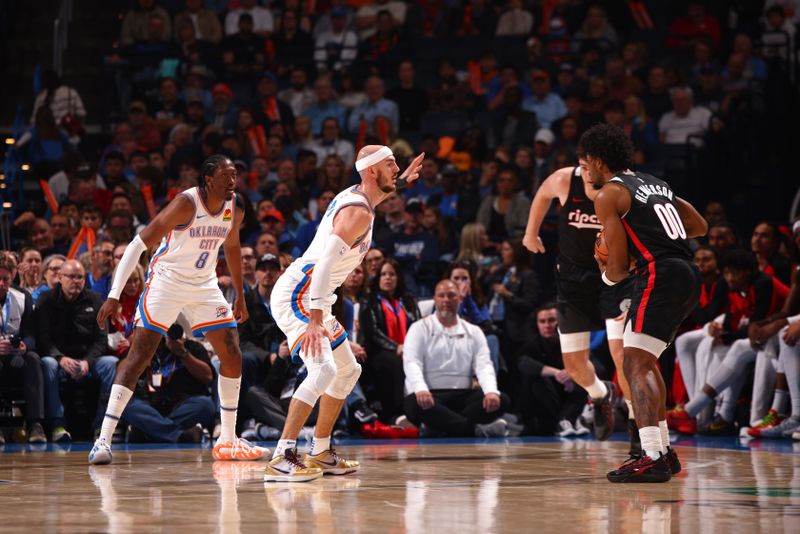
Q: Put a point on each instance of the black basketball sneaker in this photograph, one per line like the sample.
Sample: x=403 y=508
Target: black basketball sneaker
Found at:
x=643 y=470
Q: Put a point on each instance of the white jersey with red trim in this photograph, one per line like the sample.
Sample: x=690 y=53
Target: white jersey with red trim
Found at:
x=348 y=261
x=188 y=254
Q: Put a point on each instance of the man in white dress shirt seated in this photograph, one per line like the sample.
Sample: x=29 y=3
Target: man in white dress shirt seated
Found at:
x=441 y=354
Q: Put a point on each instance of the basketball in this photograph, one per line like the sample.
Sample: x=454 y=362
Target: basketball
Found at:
x=601 y=247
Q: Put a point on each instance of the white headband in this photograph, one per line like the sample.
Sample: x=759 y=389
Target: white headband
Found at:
x=376 y=157
x=796 y=226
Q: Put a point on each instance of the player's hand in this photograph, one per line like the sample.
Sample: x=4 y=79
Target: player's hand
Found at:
x=491 y=402
x=315 y=334
x=792 y=334
x=110 y=307
x=412 y=171
x=533 y=243
x=240 y=312
x=425 y=399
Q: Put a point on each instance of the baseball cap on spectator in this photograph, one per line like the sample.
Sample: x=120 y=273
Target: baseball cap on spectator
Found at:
x=414 y=205
x=540 y=75
x=268 y=260
x=450 y=170
x=222 y=89
x=137 y=105
x=269 y=76
x=339 y=11
x=84 y=170
x=545 y=136
x=273 y=214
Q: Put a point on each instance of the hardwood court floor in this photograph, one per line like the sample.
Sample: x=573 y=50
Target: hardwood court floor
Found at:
x=462 y=486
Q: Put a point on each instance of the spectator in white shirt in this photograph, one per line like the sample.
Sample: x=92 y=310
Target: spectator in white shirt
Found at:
x=298 y=95
x=263 y=21
x=684 y=120
x=441 y=355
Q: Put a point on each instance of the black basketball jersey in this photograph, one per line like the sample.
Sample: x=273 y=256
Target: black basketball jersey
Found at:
x=654 y=226
x=577 y=226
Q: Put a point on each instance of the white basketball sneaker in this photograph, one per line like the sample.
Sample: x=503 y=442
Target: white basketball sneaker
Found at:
x=100 y=453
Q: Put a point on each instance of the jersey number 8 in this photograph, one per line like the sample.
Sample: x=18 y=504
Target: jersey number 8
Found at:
x=670 y=220
x=201 y=261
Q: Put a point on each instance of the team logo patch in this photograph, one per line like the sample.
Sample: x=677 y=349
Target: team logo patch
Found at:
x=222 y=311
x=227 y=216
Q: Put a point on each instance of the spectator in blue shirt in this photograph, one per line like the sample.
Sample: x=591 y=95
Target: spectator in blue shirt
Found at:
x=417 y=252
x=375 y=106
x=325 y=105
x=548 y=106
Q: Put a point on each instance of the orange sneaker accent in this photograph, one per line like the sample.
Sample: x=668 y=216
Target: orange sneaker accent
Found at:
x=238 y=450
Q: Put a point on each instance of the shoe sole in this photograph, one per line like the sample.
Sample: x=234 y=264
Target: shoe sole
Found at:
x=339 y=471
x=291 y=478
x=635 y=479
x=103 y=461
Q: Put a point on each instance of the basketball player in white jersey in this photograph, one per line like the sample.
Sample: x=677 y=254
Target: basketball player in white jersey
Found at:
x=301 y=301
x=182 y=278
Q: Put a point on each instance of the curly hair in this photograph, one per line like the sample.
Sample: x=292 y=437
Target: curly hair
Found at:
x=210 y=165
x=609 y=144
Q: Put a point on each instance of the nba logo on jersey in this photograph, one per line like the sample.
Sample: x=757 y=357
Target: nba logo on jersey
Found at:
x=227 y=215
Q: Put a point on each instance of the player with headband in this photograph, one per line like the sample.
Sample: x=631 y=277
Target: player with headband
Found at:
x=301 y=301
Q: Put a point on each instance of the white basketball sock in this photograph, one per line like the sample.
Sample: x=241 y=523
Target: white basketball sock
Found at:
x=319 y=445
x=650 y=437
x=228 y=389
x=598 y=389
x=662 y=426
x=790 y=356
x=118 y=399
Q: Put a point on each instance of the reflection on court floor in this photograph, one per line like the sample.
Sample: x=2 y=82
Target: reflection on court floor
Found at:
x=431 y=486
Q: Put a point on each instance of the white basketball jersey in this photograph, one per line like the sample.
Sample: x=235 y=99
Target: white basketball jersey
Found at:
x=189 y=253
x=348 y=261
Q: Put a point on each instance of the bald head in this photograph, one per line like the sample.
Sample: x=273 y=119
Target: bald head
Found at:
x=73 y=279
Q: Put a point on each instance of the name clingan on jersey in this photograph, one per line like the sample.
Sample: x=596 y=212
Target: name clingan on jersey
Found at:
x=582 y=220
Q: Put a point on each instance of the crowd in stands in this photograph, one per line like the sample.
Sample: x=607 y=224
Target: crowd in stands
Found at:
x=450 y=316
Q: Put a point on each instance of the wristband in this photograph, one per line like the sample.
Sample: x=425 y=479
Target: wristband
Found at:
x=607 y=281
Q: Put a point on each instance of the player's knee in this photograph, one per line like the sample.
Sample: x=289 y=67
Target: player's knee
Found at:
x=346 y=379
x=320 y=376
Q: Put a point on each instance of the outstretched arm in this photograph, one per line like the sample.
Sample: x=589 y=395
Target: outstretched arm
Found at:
x=610 y=203
x=555 y=186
